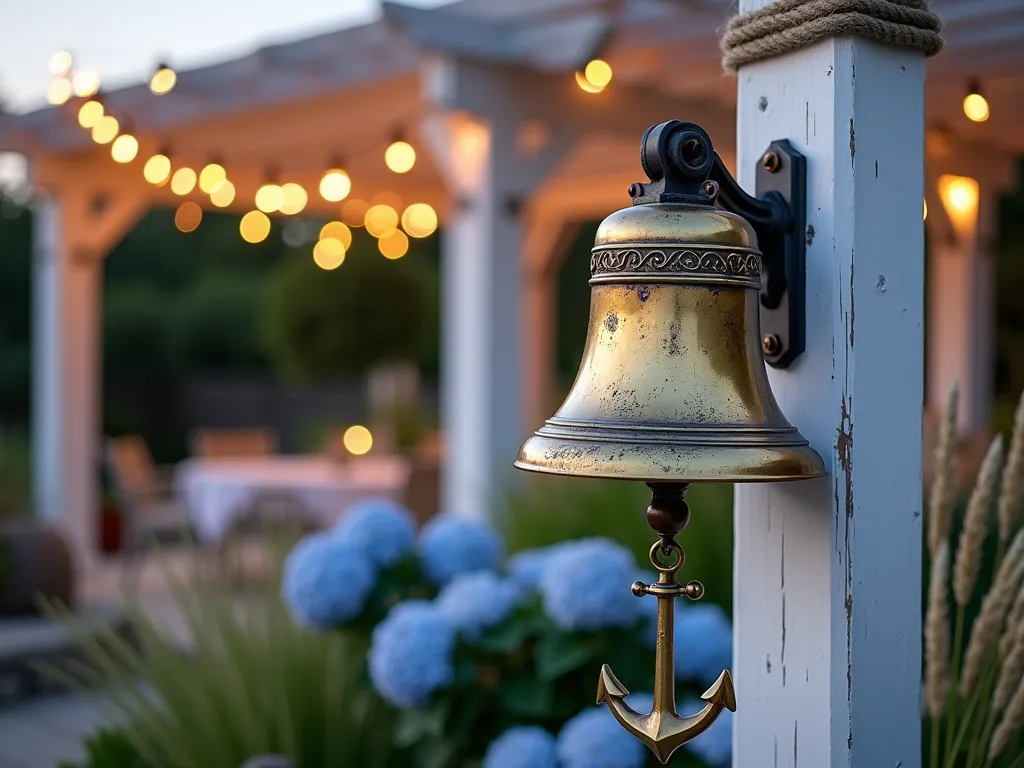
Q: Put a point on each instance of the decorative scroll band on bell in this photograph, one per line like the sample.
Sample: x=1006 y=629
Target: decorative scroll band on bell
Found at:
x=677 y=263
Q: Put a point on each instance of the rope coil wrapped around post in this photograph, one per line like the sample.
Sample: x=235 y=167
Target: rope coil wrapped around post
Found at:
x=788 y=25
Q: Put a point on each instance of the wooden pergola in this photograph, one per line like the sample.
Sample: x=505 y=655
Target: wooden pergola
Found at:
x=513 y=156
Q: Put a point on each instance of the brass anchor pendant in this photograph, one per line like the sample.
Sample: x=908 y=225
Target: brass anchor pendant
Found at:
x=663 y=730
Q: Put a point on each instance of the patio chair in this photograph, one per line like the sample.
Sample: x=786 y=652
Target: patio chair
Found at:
x=150 y=510
x=233 y=443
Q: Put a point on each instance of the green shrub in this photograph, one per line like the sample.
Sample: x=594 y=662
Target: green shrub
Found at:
x=15 y=472
x=218 y=323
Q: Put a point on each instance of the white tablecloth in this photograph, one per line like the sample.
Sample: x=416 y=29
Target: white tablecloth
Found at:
x=218 y=491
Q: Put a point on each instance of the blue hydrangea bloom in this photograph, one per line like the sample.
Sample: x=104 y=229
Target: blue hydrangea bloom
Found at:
x=714 y=746
x=594 y=739
x=411 y=654
x=451 y=545
x=382 y=528
x=703 y=642
x=642 y=702
x=474 y=601
x=325 y=581
x=522 y=747
x=527 y=566
x=585 y=586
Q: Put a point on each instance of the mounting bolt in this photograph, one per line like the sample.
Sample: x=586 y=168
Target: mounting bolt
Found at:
x=711 y=189
x=771 y=344
x=770 y=162
x=634 y=190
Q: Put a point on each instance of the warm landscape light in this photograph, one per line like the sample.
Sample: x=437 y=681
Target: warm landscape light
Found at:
x=400 y=157
x=157 y=169
x=163 y=80
x=329 y=253
x=188 y=216
x=335 y=185
x=183 y=181
x=357 y=440
x=125 y=148
x=105 y=130
x=255 y=227
x=419 y=220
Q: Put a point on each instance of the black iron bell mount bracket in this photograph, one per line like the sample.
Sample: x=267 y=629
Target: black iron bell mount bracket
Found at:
x=683 y=167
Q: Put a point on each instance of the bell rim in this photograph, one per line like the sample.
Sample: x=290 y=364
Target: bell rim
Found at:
x=718 y=436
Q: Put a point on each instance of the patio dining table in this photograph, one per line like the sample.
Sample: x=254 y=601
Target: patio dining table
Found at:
x=219 y=491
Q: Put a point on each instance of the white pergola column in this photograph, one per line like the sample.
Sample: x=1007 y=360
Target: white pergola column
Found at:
x=74 y=230
x=827 y=594
x=474 y=144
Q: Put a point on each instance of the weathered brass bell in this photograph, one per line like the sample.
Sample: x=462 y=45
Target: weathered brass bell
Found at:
x=673 y=388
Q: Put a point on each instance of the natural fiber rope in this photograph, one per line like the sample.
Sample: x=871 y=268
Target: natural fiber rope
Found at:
x=787 y=25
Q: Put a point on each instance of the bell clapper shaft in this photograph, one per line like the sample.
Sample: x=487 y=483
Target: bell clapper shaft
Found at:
x=663 y=730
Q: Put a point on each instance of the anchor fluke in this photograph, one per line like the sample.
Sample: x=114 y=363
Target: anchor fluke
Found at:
x=609 y=687
x=722 y=692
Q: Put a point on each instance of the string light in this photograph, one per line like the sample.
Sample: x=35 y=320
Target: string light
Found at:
x=61 y=63
x=59 y=92
x=419 y=220
x=157 y=170
x=337 y=230
x=400 y=156
x=254 y=227
x=975 y=105
x=380 y=220
x=85 y=82
x=293 y=198
x=335 y=185
x=598 y=73
x=353 y=212
x=188 y=216
x=269 y=198
x=163 y=80
x=223 y=195
x=105 y=130
x=585 y=85
x=357 y=440
x=183 y=181
x=90 y=113
x=125 y=148
x=212 y=175
x=394 y=245
x=329 y=253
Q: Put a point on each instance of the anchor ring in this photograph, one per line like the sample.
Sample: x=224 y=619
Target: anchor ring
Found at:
x=666 y=547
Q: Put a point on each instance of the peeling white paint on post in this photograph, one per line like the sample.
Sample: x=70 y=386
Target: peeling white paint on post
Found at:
x=827 y=573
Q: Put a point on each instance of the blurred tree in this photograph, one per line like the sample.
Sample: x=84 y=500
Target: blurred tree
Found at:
x=321 y=324
x=217 y=322
x=15 y=307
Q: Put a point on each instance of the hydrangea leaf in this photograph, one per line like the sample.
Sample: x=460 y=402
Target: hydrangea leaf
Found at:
x=559 y=653
x=415 y=725
x=527 y=697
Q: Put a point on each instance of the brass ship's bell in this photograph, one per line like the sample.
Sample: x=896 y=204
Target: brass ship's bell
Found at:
x=672 y=388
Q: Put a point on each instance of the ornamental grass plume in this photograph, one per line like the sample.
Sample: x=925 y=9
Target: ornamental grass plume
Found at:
x=1012 y=491
x=1012 y=722
x=936 y=633
x=1014 y=621
x=943 y=495
x=972 y=537
x=989 y=624
x=1012 y=672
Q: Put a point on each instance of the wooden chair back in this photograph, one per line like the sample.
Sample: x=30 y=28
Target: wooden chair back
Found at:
x=234 y=443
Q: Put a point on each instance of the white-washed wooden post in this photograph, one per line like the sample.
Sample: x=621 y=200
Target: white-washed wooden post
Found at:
x=828 y=573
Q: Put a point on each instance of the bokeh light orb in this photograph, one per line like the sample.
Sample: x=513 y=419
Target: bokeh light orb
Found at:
x=400 y=156
x=380 y=220
x=183 y=181
x=353 y=211
x=125 y=148
x=223 y=195
x=419 y=220
x=157 y=169
x=357 y=440
x=90 y=113
x=293 y=198
x=254 y=227
x=212 y=175
x=105 y=130
x=394 y=245
x=163 y=81
x=269 y=198
x=329 y=253
x=335 y=185
x=59 y=92
x=188 y=216
x=339 y=231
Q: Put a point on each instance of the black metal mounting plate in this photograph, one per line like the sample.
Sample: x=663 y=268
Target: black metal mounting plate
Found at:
x=783 y=282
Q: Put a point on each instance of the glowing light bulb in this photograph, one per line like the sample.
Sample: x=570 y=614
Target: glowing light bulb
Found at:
x=394 y=245
x=353 y=212
x=90 y=113
x=400 y=157
x=157 y=170
x=60 y=64
x=976 y=107
x=293 y=198
x=188 y=216
x=163 y=80
x=598 y=73
x=85 y=82
x=959 y=195
x=269 y=198
x=59 y=92
x=381 y=220
x=183 y=181
x=211 y=176
x=125 y=148
x=255 y=227
x=223 y=195
x=339 y=231
x=329 y=253
x=586 y=85
x=105 y=130
x=357 y=440
x=419 y=220
x=335 y=185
